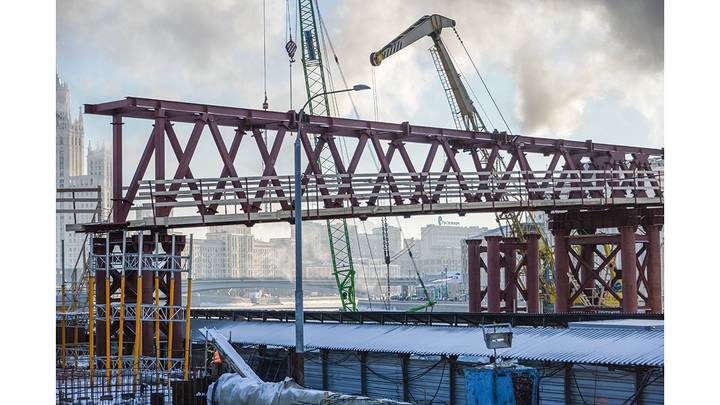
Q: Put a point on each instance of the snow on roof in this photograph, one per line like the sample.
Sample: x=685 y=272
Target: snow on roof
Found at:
x=591 y=345
x=620 y=323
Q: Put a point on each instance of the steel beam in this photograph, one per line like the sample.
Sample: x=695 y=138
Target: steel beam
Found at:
x=117 y=178
x=593 y=240
x=587 y=267
x=474 y=277
x=562 y=267
x=493 y=270
x=418 y=318
x=137 y=107
x=629 y=269
x=510 y=269
x=654 y=270
x=532 y=281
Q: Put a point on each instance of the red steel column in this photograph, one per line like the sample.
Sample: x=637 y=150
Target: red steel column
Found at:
x=532 y=281
x=117 y=206
x=474 y=287
x=629 y=269
x=493 y=270
x=587 y=253
x=654 y=270
x=510 y=263
x=562 y=266
x=159 y=139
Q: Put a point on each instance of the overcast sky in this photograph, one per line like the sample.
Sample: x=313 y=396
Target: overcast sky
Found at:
x=587 y=69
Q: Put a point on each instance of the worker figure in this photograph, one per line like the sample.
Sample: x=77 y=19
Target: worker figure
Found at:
x=215 y=366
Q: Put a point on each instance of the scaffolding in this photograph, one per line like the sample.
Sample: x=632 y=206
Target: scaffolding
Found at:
x=135 y=324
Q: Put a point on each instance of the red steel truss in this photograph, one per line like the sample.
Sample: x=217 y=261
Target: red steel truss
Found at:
x=579 y=258
x=573 y=174
x=519 y=276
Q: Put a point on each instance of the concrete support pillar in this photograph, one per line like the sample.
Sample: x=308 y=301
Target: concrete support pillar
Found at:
x=510 y=264
x=587 y=253
x=493 y=270
x=473 y=271
x=532 y=280
x=629 y=269
x=562 y=266
x=654 y=270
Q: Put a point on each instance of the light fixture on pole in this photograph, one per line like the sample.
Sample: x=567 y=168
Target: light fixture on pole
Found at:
x=498 y=339
x=298 y=361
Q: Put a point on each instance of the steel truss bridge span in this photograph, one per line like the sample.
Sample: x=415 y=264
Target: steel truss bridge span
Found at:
x=572 y=174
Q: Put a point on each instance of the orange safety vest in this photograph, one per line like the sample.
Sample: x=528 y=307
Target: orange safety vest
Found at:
x=216 y=358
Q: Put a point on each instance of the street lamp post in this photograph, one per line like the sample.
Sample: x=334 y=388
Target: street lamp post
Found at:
x=298 y=367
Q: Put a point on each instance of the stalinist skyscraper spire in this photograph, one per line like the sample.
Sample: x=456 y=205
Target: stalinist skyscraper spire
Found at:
x=69 y=136
x=75 y=169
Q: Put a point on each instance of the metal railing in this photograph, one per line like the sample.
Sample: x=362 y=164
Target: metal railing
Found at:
x=194 y=202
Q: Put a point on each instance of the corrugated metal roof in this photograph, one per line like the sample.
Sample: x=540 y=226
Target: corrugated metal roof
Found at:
x=620 y=323
x=602 y=345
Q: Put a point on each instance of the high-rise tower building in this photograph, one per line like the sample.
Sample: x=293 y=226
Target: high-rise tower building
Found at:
x=69 y=135
x=70 y=173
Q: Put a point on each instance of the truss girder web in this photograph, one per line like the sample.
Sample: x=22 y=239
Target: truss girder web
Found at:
x=573 y=174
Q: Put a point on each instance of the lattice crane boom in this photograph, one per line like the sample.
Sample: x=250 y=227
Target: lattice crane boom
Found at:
x=464 y=113
x=315 y=84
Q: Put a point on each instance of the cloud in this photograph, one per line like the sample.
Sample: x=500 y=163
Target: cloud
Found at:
x=557 y=57
x=174 y=49
x=561 y=55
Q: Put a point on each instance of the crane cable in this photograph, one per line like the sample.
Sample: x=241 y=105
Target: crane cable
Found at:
x=265 y=102
x=290 y=47
x=325 y=35
x=472 y=90
x=376 y=111
x=482 y=80
x=386 y=251
x=477 y=71
x=430 y=303
x=333 y=99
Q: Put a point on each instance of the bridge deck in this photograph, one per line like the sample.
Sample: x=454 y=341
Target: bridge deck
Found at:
x=266 y=199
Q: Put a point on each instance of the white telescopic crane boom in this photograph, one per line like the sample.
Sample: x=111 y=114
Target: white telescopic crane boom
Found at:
x=432 y=25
